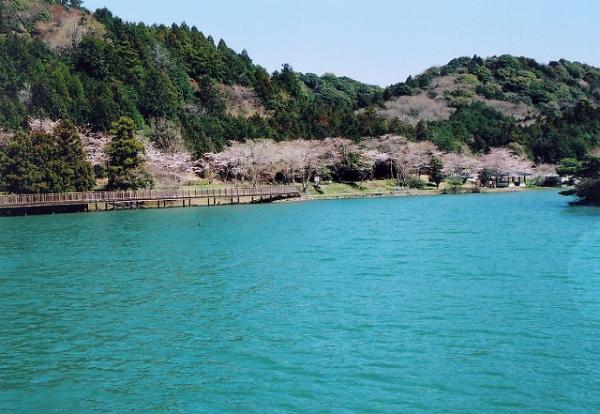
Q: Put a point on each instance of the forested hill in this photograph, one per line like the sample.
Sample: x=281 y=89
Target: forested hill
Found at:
x=60 y=61
x=171 y=79
x=505 y=80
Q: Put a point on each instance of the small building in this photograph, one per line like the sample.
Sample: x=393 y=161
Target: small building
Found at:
x=509 y=179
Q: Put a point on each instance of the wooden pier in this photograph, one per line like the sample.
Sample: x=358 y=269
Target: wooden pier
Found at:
x=113 y=200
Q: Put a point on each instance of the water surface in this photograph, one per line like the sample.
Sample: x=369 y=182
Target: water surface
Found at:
x=471 y=304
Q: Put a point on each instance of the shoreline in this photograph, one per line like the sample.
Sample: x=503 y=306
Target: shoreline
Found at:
x=406 y=193
x=227 y=201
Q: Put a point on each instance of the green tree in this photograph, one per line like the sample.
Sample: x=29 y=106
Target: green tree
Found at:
x=422 y=131
x=568 y=167
x=159 y=97
x=288 y=80
x=126 y=167
x=370 y=124
x=588 y=188
x=40 y=162
x=210 y=97
x=18 y=169
x=436 y=173
x=75 y=171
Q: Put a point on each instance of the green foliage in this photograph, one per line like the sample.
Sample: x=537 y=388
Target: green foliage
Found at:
x=436 y=174
x=514 y=79
x=39 y=162
x=422 y=132
x=371 y=124
x=588 y=192
x=176 y=74
x=415 y=182
x=476 y=125
x=568 y=167
x=100 y=172
x=342 y=92
x=399 y=127
x=454 y=185
x=288 y=80
x=588 y=174
x=209 y=97
x=159 y=97
x=571 y=134
x=35 y=82
x=126 y=166
x=467 y=78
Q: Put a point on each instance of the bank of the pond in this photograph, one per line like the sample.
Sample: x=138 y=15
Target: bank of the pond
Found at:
x=383 y=188
x=221 y=195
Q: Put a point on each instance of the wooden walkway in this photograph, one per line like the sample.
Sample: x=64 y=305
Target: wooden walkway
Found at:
x=266 y=193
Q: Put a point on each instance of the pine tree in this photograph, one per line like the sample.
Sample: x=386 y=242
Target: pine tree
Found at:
x=40 y=162
x=126 y=168
x=18 y=169
x=75 y=171
x=588 y=173
x=436 y=173
x=422 y=131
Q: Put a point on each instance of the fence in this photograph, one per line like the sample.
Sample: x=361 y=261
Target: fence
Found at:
x=58 y=199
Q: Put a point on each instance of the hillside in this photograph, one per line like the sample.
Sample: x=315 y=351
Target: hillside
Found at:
x=160 y=75
x=516 y=86
x=58 y=24
x=441 y=99
x=184 y=90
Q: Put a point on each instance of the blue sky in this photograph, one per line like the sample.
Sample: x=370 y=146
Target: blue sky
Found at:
x=382 y=41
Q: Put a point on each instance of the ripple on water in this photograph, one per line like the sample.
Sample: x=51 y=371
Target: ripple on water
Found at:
x=444 y=304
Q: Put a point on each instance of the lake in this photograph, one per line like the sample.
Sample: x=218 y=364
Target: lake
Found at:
x=471 y=304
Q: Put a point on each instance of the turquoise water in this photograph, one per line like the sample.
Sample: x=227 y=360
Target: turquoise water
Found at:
x=470 y=304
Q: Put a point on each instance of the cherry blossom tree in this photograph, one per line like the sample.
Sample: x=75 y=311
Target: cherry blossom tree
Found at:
x=502 y=162
x=5 y=136
x=505 y=162
x=259 y=161
x=44 y=125
x=460 y=166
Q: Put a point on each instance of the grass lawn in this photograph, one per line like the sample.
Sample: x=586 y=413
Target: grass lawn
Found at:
x=350 y=189
x=346 y=189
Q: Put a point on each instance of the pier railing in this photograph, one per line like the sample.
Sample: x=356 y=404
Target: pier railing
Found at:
x=58 y=199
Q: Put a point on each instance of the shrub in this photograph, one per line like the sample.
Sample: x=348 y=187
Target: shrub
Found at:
x=100 y=171
x=454 y=186
x=490 y=91
x=415 y=182
x=467 y=79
